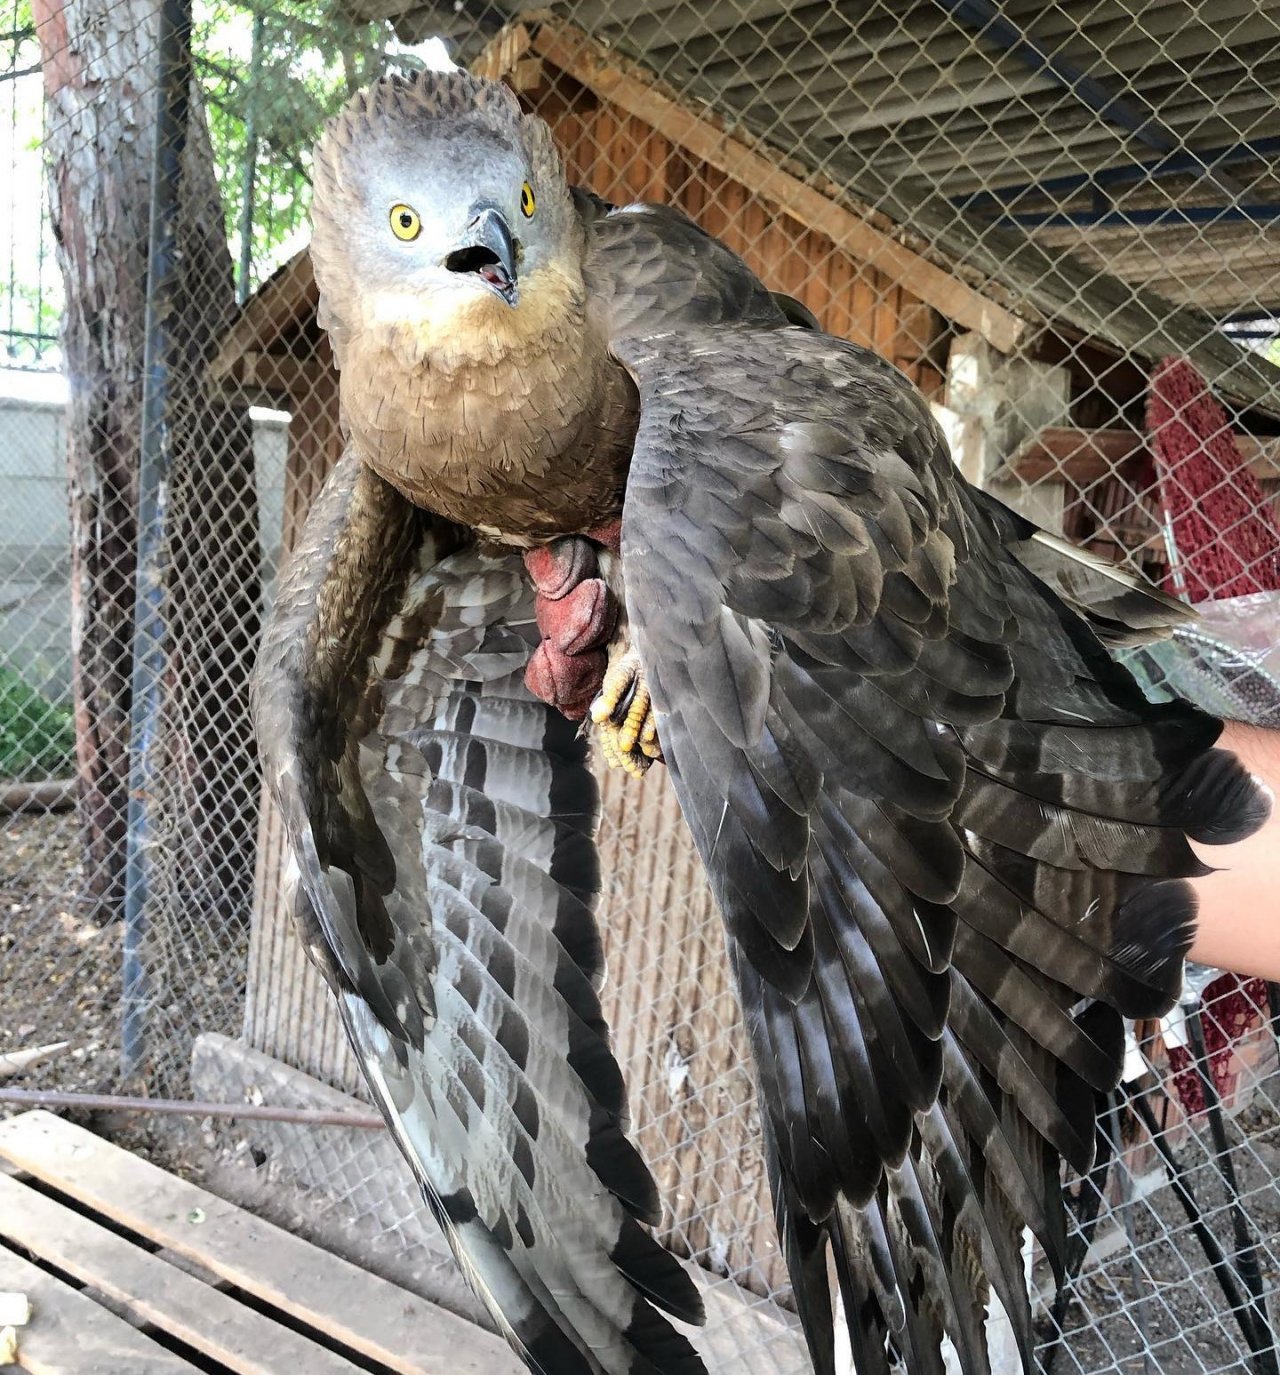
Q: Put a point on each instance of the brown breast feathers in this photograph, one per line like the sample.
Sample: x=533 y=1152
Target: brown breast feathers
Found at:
x=515 y=422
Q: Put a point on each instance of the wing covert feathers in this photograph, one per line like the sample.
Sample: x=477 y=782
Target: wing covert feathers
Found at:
x=443 y=822
x=947 y=833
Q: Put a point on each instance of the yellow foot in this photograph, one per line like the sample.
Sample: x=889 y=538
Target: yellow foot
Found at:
x=624 y=719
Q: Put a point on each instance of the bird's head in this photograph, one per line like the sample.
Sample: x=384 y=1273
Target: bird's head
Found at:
x=441 y=210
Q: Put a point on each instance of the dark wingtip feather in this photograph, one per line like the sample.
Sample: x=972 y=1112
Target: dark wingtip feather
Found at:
x=620 y=1169
x=804 y=1243
x=1217 y=801
x=657 y=1274
x=1104 y=1028
x=1153 y=932
x=546 y=1350
x=1080 y=1100
x=668 y=1352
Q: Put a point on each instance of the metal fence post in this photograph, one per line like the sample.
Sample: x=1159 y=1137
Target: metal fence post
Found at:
x=149 y=630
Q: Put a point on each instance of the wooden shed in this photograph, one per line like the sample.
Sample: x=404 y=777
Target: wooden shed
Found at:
x=1019 y=404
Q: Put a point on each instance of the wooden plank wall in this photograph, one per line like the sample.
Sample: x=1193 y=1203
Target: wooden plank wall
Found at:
x=623 y=159
x=670 y=1000
x=288 y=1013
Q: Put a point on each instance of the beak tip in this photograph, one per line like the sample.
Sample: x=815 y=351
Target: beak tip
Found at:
x=489 y=250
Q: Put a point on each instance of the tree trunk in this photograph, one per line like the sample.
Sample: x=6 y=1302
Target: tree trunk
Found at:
x=100 y=72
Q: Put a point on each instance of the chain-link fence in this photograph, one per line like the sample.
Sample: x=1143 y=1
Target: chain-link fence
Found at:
x=1061 y=221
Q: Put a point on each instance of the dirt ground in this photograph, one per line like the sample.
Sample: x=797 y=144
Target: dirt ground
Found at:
x=60 y=980
x=1160 y=1293
x=59 y=974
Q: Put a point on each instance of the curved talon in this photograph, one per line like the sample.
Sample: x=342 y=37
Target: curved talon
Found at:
x=624 y=719
x=649 y=738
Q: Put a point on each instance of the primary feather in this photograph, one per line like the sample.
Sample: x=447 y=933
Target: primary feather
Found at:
x=443 y=822
x=947 y=833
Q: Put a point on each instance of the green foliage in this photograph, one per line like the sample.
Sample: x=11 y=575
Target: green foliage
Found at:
x=37 y=307
x=272 y=77
x=37 y=737
x=19 y=28
x=30 y=290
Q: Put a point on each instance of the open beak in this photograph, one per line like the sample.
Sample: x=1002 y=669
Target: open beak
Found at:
x=489 y=251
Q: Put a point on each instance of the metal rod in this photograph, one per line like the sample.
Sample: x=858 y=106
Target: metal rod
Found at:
x=250 y=170
x=181 y=1107
x=1237 y=1300
x=149 y=630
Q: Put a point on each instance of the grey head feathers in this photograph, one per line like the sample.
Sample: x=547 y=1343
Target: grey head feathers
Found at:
x=402 y=174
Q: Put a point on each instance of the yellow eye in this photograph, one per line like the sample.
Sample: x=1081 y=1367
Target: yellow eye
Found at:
x=405 y=223
x=527 y=203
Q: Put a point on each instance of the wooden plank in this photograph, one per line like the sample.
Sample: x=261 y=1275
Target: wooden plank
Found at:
x=1083 y=456
x=1262 y=456
x=156 y=1292
x=69 y=1332
x=745 y=1334
x=633 y=90
x=501 y=55
x=280 y=373
x=365 y=1313
x=282 y=300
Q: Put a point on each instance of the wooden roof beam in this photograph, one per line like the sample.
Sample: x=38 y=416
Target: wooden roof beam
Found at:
x=697 y=133
x=1174 y=165
x=1075 y=295
x=285 y=299
x=1138 y=119
x=1054 y=286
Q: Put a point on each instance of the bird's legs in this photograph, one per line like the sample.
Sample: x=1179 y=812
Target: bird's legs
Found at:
x=623 y=713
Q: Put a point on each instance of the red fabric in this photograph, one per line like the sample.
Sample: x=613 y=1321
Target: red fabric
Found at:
x=1232 y=1008
x=1227 y=544
x=1226 y=538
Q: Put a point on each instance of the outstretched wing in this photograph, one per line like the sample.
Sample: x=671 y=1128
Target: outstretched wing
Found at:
x=442 y=822
x=948 y=835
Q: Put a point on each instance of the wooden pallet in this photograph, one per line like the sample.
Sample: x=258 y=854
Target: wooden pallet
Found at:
x=132 y=1271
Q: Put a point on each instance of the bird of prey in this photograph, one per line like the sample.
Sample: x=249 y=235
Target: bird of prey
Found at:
x=947 y=834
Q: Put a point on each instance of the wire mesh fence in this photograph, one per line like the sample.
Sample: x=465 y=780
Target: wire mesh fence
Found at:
x=1061 y=221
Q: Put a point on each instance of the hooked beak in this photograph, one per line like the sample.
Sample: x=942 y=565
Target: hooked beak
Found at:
x=489 y=251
